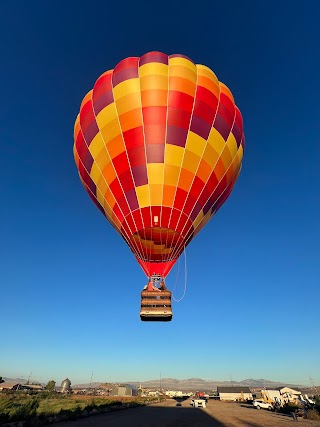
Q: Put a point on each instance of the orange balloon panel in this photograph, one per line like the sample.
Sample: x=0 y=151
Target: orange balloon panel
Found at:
x=158 y=144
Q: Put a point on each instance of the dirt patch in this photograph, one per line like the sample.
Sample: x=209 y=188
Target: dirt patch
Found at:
x=243 y=415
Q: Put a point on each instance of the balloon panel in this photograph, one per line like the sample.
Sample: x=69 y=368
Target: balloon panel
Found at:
x=158 y=145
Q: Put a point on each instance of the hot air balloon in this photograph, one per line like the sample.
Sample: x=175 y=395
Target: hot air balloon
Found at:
x=158 y=144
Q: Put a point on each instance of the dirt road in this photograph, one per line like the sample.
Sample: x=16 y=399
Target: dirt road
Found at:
x=168 y=414
x=242 y=415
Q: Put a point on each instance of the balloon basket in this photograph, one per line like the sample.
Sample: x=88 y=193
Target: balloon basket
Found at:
x=156 y=306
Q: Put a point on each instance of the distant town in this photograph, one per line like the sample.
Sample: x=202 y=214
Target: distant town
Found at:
x=246 y=390
x=30 y=403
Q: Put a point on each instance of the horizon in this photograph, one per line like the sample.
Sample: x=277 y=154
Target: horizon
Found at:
x=164 y=379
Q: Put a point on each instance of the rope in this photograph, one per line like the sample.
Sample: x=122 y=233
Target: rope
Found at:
x=185 y=278
x=175 y=286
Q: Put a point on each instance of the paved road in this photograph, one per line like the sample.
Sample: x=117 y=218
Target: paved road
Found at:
x=166 y=414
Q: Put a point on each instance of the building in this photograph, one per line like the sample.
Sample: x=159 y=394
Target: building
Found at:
x=123 y=390
x=33 y=387
x=239 y=393
x=66 y=386
x=289 y=394
x=173 y=393
x=15 y=386
x=151 y=393
x=10 y=386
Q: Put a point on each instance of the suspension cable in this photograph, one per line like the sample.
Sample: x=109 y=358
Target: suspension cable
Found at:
x=185 y=278
x=175 y=286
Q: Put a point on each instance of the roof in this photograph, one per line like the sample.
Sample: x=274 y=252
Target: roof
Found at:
x=288 y=390
x=7 y=385
x=106 y=385
x=238 y=389
x=33 y=386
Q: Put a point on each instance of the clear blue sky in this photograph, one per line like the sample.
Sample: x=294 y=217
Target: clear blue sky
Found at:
x=69 y=296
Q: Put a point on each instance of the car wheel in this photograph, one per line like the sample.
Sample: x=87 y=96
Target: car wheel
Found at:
x=258 y=407
x=269 y=408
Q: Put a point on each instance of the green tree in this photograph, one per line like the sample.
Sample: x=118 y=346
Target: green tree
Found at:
x=51 y=385
x=1 y=380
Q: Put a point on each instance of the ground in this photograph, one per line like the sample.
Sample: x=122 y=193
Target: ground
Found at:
x=240 y=415
x=181 y=414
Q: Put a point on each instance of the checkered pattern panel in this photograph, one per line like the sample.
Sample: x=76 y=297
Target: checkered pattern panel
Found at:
x=158 y=145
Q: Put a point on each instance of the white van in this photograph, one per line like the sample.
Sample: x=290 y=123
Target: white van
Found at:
x=198 y=403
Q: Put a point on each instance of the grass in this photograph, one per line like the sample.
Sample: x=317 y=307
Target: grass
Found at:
x=20 y=406
x=54 y=406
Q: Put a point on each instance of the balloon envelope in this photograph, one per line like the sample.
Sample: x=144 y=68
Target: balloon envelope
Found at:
x=158 y=145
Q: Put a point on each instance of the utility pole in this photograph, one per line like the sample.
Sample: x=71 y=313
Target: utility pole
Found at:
x=231 y=380
x=160 y=382
x=29 y=377
x=313 y=386
x=91 y=379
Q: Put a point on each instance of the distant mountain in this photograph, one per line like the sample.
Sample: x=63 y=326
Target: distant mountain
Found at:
x=14 y=380
x=190 y=384
x=262 y=383
x=193 y=384
x=87 y=385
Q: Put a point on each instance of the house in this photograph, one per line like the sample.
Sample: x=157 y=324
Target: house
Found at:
x=10 y=386
x=123 y=390
x=34 y=387
x=172 y=393
x=240 y=393
x=15 y=386
x=151 y=393
x=289 y=394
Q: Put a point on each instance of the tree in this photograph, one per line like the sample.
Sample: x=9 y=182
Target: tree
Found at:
x=1 y=380
x=51 y=385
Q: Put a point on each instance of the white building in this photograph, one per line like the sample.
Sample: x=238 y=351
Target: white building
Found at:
x=240 y=393
x=174 y=393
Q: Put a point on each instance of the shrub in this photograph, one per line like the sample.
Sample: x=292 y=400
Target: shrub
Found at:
x=25 y=410
x=287 y=409
x=313 y=414
x=36 y=409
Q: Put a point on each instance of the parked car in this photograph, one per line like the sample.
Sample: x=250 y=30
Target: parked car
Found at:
x=198 y=403
x=262 y=404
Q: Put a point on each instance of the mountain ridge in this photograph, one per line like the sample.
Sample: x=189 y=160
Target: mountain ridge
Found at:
x=188 y=384
x=194 y=383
